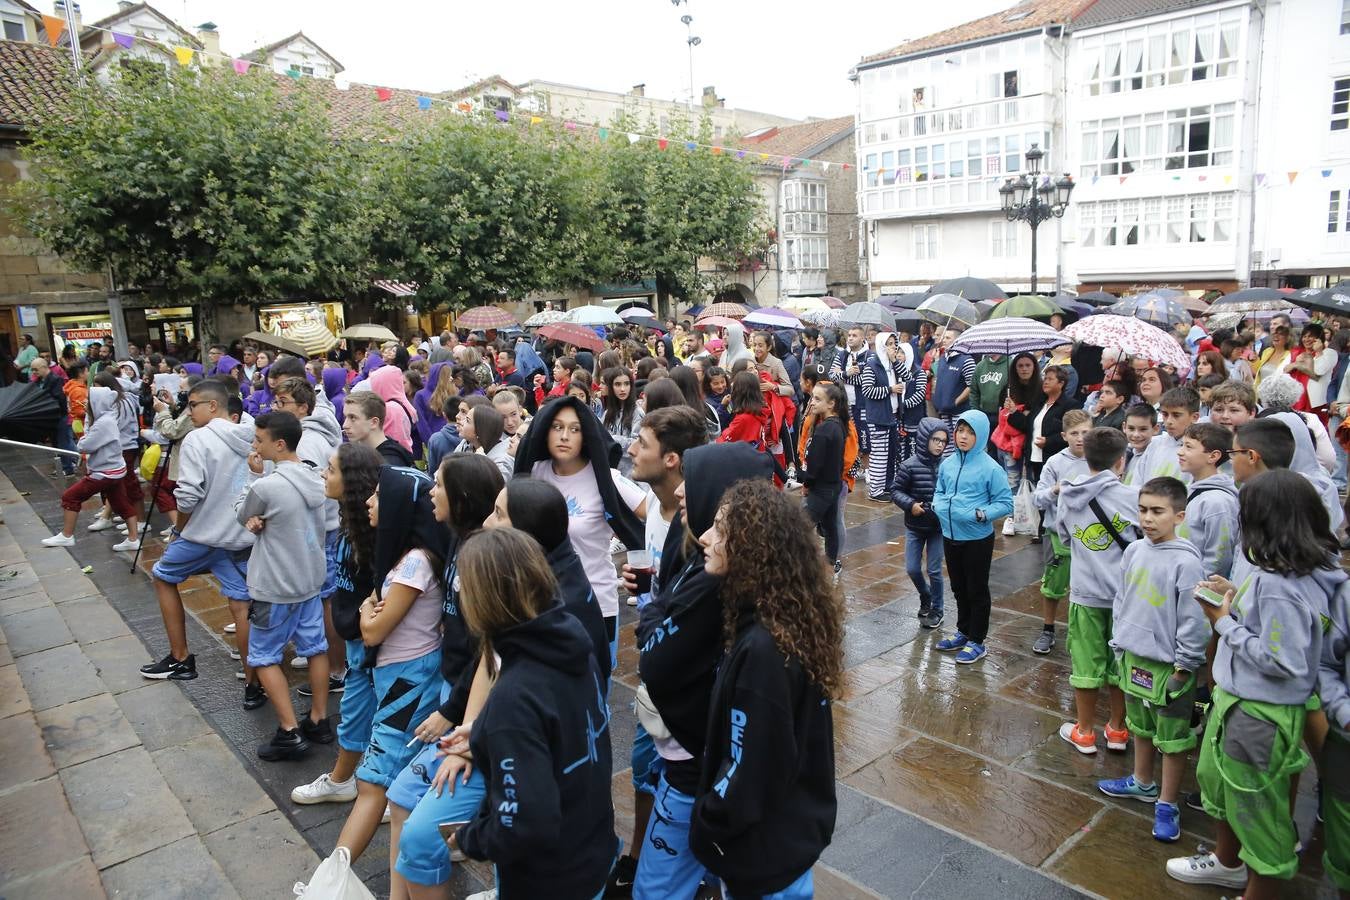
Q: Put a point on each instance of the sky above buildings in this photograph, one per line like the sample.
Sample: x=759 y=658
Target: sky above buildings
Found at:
x=789 y=57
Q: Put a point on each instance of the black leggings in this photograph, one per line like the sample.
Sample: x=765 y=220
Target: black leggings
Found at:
x=968 y=568
x=824 y=511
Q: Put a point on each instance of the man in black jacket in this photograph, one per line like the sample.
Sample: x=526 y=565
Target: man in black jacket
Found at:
x=63 y=436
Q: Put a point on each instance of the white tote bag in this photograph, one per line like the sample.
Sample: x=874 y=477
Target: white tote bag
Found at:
x=334 y=880
x=1026 y=519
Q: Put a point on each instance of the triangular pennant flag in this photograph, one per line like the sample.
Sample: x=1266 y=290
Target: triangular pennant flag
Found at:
x=1292 y=176
x=1228 y=179
x=55 y=28
x=604 y=134
x=1326 y=173
x=881 y=173
x=1176 y=177
x=1260 y=178
x=1094 y=178
x=690 y=145
x=1204 y=177
x=662 y=143
x=1122 y=178
x=184 y=55
x=464 y=106
x=293 y=72
x=383 y=94
x=717 y=151
x=125 y=41
x=502 y=115
x=824 y=166
x=764 y=157
x=633 y=138
x=570 y=126
x=847 y=166
x=240 y=66
x=787 y=161
x=535 y=120
x=740 y=154
x=805 y=163
x=424 y=103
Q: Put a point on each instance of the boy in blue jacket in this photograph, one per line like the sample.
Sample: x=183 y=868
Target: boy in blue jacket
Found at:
x=972 y=491
x=912 y=490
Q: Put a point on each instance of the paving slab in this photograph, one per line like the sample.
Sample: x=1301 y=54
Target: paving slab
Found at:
x=68 y=584
x=77 y=879
x=32 y=630
x=124 y=806
x=34 y=598
x=17 y=579
x=13 y=698
x=91 y=619
x=161 y=715
x=85 y=729
x=263 y=856
x=59 y=675
x=207 y=779
x=183 y=870
x=118 y=662
x=21 y=748
x=37 y=831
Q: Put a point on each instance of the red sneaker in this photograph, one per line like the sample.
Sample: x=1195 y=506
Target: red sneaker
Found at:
x=1116 y=740
x=1083 y=741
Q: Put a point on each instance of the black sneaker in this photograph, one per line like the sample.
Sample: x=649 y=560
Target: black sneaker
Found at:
x=335 y=686
x=925 y=609
x=171 y=669
x=254 y=696
x=620 y=881
x=1192 y=799
x=319 y=732
x=284 y=745
x=931 y=620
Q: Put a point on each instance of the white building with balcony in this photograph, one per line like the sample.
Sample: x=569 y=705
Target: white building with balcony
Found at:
x=942 y=122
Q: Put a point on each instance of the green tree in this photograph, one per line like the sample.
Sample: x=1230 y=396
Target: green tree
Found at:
x=200 y=186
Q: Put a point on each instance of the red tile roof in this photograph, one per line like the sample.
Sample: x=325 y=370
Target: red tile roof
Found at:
x=797 y=140
x=1030 y=15
x=33 y=77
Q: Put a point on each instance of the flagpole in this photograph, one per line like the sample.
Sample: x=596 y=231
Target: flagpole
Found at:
x=69 y=7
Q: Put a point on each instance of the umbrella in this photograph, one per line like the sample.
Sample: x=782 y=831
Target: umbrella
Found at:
x=593 y=315
x=725 y=308
x=1130 y=336
x=1221 y=320
x=986 y=308
x=368 y=332
x=822 y=318
x=908 y=321
x=28 y=413
x=1072 y=308
x=1154 y=307
x=277 y=342
x=313 y=335
x=1008 y=335
x=484 y=317
x=1234 y=304
x=902 y=301
x=545 y=317
x=833 y=302
x=637 y=311
x=645 y=322
x=804 y=304
x=1098 y=298
x=1334 y=300
x=714 y=322
x=943 y=309
x=1255 y=293
x=1027 y=306
x=574 y=334
x=773 y=317
x=868 y=313
x=969 y=289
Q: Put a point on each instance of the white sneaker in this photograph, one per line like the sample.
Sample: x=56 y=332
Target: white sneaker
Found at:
x=229 y=628
x=299 y=662
x=239 y=676
x=632 y=601
x=122 y=528
x=616 y=546
x=167 y=533
x=118 y=519
x=384 y=819
x=325 y=790
x=59 y=540
x=792 y=484
x=125 y=546
x=1008 y=529
x=101 y=524
x=234 y=653
x=490 y=894
x=1205 y=868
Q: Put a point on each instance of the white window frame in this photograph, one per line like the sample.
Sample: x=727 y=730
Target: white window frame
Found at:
x=1143 y=143
x=927 y=244
x=1340 y=102
x=1181 y=50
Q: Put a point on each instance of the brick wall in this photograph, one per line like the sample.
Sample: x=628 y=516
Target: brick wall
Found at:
x=841 y=196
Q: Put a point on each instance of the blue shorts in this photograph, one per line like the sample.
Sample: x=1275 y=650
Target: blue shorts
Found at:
x=274 y=625
x=183 y=558
x=330 y=545
x=358 y=701
x=666 y=866
x=423 y=857
x=405 y=693
x=804 y=888
x=647 y=763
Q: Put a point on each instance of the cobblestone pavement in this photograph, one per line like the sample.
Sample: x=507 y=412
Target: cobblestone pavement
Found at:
x=952 y=780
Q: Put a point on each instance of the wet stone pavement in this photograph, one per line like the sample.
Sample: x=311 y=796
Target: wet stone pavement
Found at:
x=953 y=782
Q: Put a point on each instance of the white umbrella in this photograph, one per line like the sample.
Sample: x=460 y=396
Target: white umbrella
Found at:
x=593 y=315
x=637 y=312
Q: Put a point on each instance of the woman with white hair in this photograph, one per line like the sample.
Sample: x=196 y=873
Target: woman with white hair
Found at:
x=1279 y=393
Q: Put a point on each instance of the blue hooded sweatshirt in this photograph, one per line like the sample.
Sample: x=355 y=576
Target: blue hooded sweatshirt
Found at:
x=972 y=489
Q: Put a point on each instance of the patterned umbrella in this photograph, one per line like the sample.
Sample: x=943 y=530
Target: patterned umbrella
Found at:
x=593 y=315
x=1255 y=293
x=1154 y=308
x=545 y=317
x=944 y=309
x=868 y=313
x=822 y=318
x=772 y=317
x=1130 y=336
x=725 y=308
x=1334 y=300
x=484 y=317
x=1008 y=335
x=833 y=302
x=574 y=334
x=1027 y=306
x=969 y=289
x=715 y=322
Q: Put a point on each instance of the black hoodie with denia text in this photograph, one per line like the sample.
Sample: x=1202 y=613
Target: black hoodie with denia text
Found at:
x=766 y=803
x=542 y=743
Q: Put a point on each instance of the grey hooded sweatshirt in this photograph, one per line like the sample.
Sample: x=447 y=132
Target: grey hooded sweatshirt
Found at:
x=1060 y=468
x=1156 y=615
x=101 y=439
x=1158 y=459
x=1333 y=680
x=320 y=437
x=1305 y=463
x=1271 y=646
x=287 y=564
x=1094 y=579
x=1212 y=522
x=212 y=470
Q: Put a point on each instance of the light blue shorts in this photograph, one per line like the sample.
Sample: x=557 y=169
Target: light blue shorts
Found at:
x=647 y=763
x=405 y=693
x=274 y=625
x=183 y=558
x=423 y=857
x=330 y=545
x=358 y=701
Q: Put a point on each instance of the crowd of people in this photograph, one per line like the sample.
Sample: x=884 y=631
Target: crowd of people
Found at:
x=458 y=503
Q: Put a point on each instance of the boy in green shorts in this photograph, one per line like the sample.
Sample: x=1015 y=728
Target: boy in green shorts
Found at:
x=1159 y=635
x=1095 y=520
x=1063 y=467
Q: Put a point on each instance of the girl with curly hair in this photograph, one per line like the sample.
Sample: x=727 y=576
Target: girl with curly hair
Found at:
x=766 y=803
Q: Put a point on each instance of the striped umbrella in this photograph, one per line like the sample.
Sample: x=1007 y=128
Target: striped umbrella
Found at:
x=1008 y=335
x=715 y=322
x=772 y=317
x=484 y=317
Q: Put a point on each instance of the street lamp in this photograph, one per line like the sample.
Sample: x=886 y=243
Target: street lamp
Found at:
x=1033 y=198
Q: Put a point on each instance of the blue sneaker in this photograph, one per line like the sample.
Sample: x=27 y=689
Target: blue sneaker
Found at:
x=971 y=653
x=1130 y=789
x=1166 y=822
x=955 y=642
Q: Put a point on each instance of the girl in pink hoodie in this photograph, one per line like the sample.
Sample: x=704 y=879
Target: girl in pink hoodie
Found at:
x=387 y=383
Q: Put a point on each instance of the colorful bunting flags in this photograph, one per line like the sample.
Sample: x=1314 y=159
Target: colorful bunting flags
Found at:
x=1260 y=178
x=535 y=120
x=1292 y=176
x=1227 y=179
x=740 y=154
x=824 y=166
x=662 y=143
x=125 y=41
x=55 y=28
x=464 y=106
x=424 y=103
x=603 y=134
x=185 y=54
x=240 y=66
x=570 y=126
x=634 y=138
x=1326 y=173
x=503 y=115
x=383 y=94
x=690 y=145
x=293 y=73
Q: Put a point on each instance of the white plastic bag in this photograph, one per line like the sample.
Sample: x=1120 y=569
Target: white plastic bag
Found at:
x=334 y=880
x=1026 y=518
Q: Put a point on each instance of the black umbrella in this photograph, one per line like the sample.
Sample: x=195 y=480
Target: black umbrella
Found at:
x=28 y=413
x=1098 y=298
x=1333 y=300
x=1250 y=294
x=971 y=289
x=902 y=301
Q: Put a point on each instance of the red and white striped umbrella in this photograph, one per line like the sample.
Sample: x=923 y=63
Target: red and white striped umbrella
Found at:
x=1130 y=336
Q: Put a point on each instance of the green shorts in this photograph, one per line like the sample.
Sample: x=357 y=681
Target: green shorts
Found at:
x=1055 y=579
x=1167 y=726
x=1090 y=653
x=1249 y=753
x=1336 y=808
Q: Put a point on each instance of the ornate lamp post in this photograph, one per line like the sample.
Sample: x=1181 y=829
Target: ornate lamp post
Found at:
x=1033 y=198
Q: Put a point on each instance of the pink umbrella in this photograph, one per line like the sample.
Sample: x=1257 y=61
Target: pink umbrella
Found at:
x=833 y=302
x=1130 y=336
x=485 y=317
x=714 y=322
